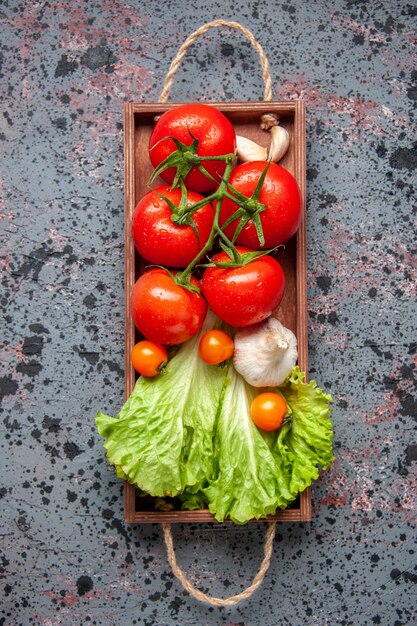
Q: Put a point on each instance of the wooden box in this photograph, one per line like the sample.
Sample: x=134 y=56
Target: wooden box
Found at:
x=245 y=116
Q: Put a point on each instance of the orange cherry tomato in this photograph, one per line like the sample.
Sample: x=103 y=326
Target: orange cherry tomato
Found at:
x=215 y=347
x=149 y=358
x=268 y=410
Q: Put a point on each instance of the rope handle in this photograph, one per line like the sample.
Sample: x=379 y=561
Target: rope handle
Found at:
x=232 y=600
x=270 y=533
x=200 y=31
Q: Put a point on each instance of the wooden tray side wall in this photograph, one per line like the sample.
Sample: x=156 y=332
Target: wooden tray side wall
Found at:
x=138 y=120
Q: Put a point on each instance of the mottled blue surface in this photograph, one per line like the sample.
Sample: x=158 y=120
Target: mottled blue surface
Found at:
x=66 y=69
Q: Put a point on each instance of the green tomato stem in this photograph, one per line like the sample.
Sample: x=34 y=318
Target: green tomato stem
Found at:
x=190 y=210
x=184 y=276
x=225 y=157
x=230 y=244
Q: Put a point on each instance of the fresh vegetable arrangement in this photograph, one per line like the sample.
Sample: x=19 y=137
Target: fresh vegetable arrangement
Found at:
x=221 y=417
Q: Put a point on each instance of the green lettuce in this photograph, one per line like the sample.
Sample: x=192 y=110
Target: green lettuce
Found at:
x=305 y=441
x=248 y=482
x=257 y=472
x=188 y=433
x=162 y=439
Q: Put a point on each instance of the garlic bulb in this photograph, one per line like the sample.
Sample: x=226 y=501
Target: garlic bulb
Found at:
x=248 y=150
x=265 y=353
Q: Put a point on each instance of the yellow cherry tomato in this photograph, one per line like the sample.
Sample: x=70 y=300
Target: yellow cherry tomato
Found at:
x=268 y=410
x=215 y=347
x=148 y=358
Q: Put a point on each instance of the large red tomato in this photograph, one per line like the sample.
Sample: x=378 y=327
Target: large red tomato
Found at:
x=279 y=194
x=165 y=312
x=158 y=239
x=245 y=295
x=213 y=131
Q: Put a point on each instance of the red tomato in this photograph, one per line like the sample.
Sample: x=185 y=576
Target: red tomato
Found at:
x=268 y=410
x=246 y=295
x=215 y=135
x=165 y=312
x=279 y=194
x=148 y=358
x=215 y=347
x=158 y=239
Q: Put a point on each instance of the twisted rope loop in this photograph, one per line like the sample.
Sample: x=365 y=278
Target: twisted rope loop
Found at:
x=200 y=31
x=270 y=534
x=232 y=600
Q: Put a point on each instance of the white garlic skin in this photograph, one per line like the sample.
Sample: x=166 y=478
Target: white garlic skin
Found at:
x=265 y=353
x=248 y=150
x=280 y=141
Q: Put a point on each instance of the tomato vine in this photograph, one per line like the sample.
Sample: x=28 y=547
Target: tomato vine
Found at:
x=183 y=159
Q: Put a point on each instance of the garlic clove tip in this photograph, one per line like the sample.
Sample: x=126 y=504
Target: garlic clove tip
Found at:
x=248 y=150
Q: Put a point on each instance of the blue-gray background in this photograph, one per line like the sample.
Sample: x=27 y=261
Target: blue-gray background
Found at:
x=66 y=69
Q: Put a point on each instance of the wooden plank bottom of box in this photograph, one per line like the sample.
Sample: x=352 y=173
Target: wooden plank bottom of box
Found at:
x=245 y=116
x=302 y=512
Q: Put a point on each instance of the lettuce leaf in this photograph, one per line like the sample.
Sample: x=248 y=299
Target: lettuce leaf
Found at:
x=248 y=483
x=258 y=472
x=305 y=442
x=188 y=433
x=162 y=439
x=193 y=501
